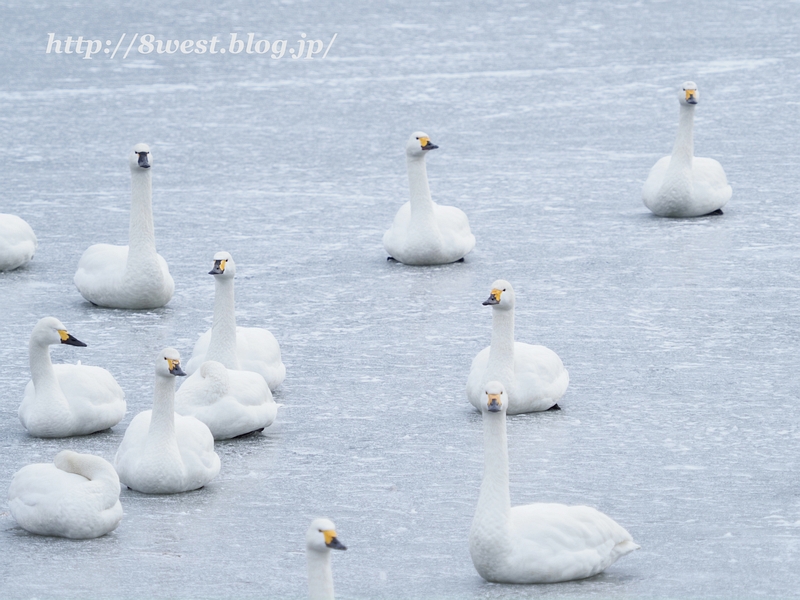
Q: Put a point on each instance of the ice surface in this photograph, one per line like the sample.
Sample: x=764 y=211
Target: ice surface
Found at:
x=681 y=337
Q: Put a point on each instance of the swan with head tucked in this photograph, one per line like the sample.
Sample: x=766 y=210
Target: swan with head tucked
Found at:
x=17 y=242
x=423 y=232
x=65 y=400
x=133 y=276
x=164 y=452
x=682 y=185
x=238 y=348
x=534 y=376
x=76 y=496
x=320 y=540
x=230 y=403
x=535 y=543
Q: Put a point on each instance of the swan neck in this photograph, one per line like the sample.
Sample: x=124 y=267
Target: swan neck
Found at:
x=42 y=372
x=162 y=420
x=502 y=347
x=421 y=203
x=222 y=346
x=320 y=578
x=142 y=239
x=683 y=150
x=495 y=498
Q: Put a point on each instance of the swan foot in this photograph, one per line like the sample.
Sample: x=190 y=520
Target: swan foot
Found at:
x=391 y=258
x=715 y=212
x=460 y=259
x=554 y=407
x=248 y=433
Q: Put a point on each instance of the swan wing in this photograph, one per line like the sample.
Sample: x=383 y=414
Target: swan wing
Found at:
x=101 y=266
x=95 y=398
x=709 y=183
x=454 y=227
x=18 y=243
x=540 y=378
x=259 y=351
x=654 y=181
x=475 y=379
x=395 y=237
x=199 y=352
x=196 y=445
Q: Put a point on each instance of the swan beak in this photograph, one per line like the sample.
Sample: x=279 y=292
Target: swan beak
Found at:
x=426 y=144
x=175 y=367
x=495 y=403
x=69 y=340
x=690 y=97
x=219 y=267
x=494 y=298
x=331 y=541
x=143 y=162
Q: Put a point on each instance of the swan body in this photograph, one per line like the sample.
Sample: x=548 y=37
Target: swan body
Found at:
x=230 y=403
x=535 y=543
x=66 y=400
x=76 y=496
x=423 y=232
x=163 y=452
x=682 y=185
x=238 y=348
x=133 y=276
x=17 y=242
x=534 y=376
x=320 y=540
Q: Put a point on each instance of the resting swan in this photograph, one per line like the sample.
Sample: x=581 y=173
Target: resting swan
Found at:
x=534 y=375
x=536 y=543
x=423 y=232
x=683 y=185
x=163 y=452
x=230 y=403
x=66 y=400
x=17 y=242
x=133 y=276
x=76 y=496
x=320 y=539
x=238 y=348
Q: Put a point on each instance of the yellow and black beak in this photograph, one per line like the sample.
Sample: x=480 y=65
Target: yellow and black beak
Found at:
x=494 y=404
x=331 y=541
x=144 y=163
x=426 y=144
x=494 y=298
x=219 y=267
x=691 y=96
x=67 y=339
x=175 y=367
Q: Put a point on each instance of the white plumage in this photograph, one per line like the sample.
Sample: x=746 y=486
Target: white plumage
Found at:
x=17 y=242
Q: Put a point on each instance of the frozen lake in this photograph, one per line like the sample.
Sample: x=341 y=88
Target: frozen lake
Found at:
x=681 y=336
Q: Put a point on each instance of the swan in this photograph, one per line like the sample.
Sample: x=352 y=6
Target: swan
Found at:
x=423 y=232
x=683 y=185
x=66 y=400
x=76 y=496
x=535 y=543
x=534 y=375
x=17 y=242
x=133 y=276
x=238 y=348
x=230 y=403
x=163 y=452
x=320 y=539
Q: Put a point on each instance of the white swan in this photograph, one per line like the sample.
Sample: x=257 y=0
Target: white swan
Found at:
x=534 y=375
x=133 y=276
x=230 y=403
x=423 y=232
x=76 y=496
x=66 y=400
x=238 y=348
x=682 y=185
x=163 y=452
x=320 y=539
x=17 y=242
x=536 y=543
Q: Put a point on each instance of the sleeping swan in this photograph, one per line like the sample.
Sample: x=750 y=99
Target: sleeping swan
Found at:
x=133 y=276
x=320 y=539
x=17 y=242
x=66 y=400
x=533 y=375
x=536 y=543
x=238 y=348
x=423 y=232
x=76 y=496
x=162 y=452
x=683 y=185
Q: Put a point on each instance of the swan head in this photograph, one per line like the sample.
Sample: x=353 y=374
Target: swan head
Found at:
x=50 y=331
x=501 y=296
x=224 y=267
x=688 y=95
x=496 y=399
x=139 y=158
x=168 y=363
x=321 y=536
x=419 y=144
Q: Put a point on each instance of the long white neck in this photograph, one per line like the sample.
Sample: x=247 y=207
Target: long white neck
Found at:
x=44 y=377
x=683 y=150
x=222 y=346
x=501 y=352
x=162 y=421
x=103 y=476
x=142 y=256
x=320 y=578
x=421 y=203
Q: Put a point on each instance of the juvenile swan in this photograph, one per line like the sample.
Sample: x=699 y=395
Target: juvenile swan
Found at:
x=536 y=543
x=133 y=276
x=163 y=452
x=683 y=185
x=320 y=539
x=238 y=348
x=533 y=375
x=66 y=400
x=17 y=242
x=76 y=496
x=423 y=232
